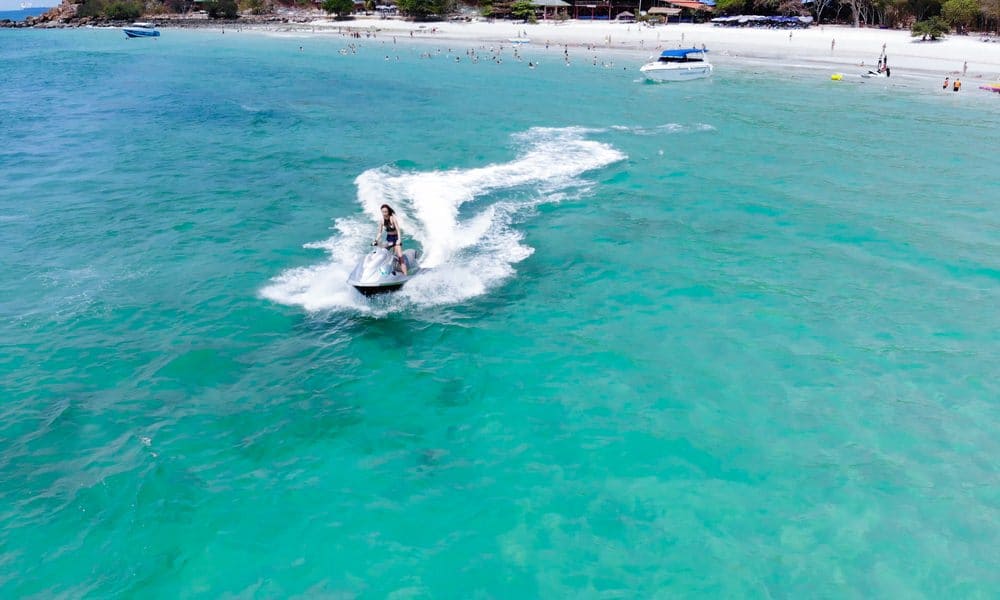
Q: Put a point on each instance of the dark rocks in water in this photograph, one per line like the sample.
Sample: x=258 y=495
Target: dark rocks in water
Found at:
x=65 y=16
x=9 y=24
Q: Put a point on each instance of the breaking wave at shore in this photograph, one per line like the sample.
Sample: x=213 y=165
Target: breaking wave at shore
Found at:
x=462 y=219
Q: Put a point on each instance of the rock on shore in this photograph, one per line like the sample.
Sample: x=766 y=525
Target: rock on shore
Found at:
x=63 y=15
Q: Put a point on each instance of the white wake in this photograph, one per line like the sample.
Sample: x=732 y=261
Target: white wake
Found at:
x=464 y=253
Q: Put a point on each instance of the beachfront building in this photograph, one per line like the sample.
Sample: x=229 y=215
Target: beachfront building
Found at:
x=681 y=10
x=593 y=9
x=549 y=9
x=663 y=13
x=684 y=10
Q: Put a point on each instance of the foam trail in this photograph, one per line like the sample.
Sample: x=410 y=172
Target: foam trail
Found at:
x=464 y=257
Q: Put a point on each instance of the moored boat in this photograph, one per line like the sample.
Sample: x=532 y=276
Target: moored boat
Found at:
x=681 y=64
x=141 y=30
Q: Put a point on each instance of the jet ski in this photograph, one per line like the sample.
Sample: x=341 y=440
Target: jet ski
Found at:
x=379 y=271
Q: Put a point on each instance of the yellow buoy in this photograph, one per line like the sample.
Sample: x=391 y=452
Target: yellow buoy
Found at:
x=836 y=77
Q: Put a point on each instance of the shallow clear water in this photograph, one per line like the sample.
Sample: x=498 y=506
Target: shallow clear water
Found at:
x=736 y=337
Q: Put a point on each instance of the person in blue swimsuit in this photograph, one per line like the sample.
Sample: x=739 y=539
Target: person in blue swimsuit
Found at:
x=393 y=234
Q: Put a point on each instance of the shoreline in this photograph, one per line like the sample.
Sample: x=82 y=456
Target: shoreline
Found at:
x=855 y=50
x=831 y=48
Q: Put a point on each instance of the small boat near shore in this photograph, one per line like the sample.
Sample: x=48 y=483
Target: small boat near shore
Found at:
x=881 y=70
x=875 y=74
x=682 y=64
x=136 y=30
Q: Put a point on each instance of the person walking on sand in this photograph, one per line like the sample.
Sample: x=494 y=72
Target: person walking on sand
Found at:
x=393 y=235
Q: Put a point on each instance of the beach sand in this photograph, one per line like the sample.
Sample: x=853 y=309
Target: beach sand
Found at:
x=853 y=50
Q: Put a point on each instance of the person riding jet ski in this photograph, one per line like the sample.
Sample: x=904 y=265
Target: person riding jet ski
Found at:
x=393 y=235
x=387 y=267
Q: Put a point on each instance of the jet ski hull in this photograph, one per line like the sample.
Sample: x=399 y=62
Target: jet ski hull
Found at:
x=378 y=289
x=377 y=272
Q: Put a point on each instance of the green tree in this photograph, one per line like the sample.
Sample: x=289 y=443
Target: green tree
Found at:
x=819 y=6
x=522 y=9
x=991 y=11
x=338 y=7
x=933 y=28
x=421 y=9
x=960 y=12
x=256 y=7
x=222 y=9
x=924 y=9
x=731 y=7
x=123 y=11
x=90 y=8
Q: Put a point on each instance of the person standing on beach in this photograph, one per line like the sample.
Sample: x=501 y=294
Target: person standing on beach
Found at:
x=957 y=86
x=833 y=42
x=393 y=234
x=965 y=68
x=945 y=86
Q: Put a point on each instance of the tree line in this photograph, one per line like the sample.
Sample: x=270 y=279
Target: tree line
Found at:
x=931 y=18
x=962 y=15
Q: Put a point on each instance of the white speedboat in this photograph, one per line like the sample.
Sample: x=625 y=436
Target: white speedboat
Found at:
x=678 y=65
x=141 y=30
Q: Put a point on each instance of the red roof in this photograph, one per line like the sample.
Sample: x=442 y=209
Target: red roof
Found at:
x=692 y=4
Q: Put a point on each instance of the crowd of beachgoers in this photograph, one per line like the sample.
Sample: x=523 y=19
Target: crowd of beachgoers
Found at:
x=826 y=48
x=833 y=48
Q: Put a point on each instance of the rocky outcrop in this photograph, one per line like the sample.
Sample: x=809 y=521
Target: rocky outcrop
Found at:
x=63 y=15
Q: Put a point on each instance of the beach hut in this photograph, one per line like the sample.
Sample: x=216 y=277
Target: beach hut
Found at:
x=625 y=17
x=668 y=11
x=599 y=10
x=691 y=9
x=545 y=5
x=663 y=12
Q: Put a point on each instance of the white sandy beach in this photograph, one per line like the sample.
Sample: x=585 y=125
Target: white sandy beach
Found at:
x=853 y=51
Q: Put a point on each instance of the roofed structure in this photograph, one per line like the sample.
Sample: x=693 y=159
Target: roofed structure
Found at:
x=689 y=4
x=664 y=10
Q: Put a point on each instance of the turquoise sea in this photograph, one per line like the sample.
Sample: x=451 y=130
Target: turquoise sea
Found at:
x=732 y=338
